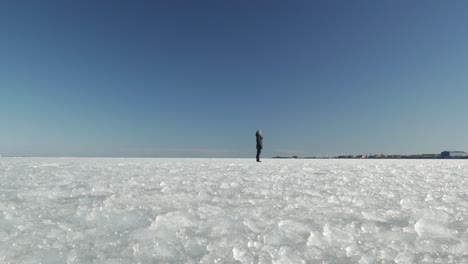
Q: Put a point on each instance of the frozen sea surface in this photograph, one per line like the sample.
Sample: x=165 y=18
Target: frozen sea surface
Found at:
x=75 y=210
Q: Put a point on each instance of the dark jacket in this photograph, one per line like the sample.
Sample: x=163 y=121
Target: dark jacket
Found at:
x=259 y=140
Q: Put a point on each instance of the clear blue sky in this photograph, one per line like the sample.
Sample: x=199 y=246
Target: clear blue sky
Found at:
x=198 y=78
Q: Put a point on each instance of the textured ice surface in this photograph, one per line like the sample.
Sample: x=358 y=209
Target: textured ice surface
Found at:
x=74 y=210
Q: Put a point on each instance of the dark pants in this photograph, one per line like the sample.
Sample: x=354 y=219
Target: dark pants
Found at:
x=258 y=154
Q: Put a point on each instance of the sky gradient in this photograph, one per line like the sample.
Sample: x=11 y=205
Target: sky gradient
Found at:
x=198 y=78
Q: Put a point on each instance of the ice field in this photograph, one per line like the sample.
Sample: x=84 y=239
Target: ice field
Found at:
x=80 y=210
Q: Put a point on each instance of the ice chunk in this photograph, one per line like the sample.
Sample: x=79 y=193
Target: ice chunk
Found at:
x=372 y=217
x=404 y=258
x=288 y=232
x=369 y=228
x=395 y=236
x=242 y=255
x=430 y=229
x=337 y=237
x=436 y=215
x=315 y=239
x=288 y=256
x=174 y=221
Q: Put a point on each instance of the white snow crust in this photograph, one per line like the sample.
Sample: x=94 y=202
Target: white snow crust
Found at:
x=81 y=210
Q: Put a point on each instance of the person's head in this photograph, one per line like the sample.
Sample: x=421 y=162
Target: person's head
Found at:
x=259 y=132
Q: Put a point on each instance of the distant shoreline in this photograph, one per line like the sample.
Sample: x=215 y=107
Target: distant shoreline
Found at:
x=407 y=158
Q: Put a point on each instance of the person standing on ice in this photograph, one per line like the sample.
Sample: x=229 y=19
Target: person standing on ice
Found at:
x=259 y=143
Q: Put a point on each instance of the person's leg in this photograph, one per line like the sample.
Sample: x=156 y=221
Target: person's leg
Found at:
x=258 y=154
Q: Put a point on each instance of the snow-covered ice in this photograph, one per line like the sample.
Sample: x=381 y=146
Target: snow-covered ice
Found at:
x=79 y=210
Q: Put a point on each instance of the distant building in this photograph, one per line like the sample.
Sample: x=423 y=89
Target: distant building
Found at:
x=428 y=156
x=452 y=154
